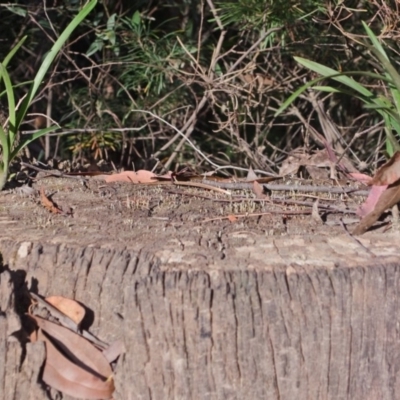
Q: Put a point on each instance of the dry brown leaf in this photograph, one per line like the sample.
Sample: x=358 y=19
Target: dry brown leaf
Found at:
x=232 y=218
x=140 y=176
x=258 y=190
x=360 y=177
x=75 y=347
x=62 y=374
x=49 y=204
x=299 y=158
x=388 y=173
x=251 y=175
x=372 y=199
x=315 y=212
x=388 y=199
x=69 y=307
x=112 y=352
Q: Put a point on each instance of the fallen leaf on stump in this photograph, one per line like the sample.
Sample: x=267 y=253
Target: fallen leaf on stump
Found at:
x=382 y=196
x=358 y=176
x=73 y=365
x=315 y=212
x=251 y=175
x=388 y=173
x=372 y=199
x=259 y=191
x=388 y=199
x=114 y=350
x=68 y=307
x=141 y=176
x=232 y=218
x=49 y=204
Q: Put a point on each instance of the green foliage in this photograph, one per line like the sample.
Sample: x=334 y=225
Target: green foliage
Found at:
x=386 y=101
x=258 y=14
x=9 y=136
x=153 y=57
x=105 y=38
x=218 y=87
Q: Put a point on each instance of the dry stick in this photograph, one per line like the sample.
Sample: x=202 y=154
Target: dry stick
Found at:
x=283 y=187
x=85 y=130
x=274 y=201
x=48 y=122
x=295 y=212
x=355 y=137
x=203 y=186
x=323 y=207
x=217 y=50
x=79 y=70
x=53 y=172
x=207 y=79
x=256 y=44
x=180 y=133
x=356 y=240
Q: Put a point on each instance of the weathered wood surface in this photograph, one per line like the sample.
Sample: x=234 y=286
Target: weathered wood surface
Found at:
x=249 y=317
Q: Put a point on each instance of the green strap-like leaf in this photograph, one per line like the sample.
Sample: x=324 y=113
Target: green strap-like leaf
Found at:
x=10 y=55
x=51 y=55
x=11 y=105
x=34 y=136
x=4 y=145
x=335 y=75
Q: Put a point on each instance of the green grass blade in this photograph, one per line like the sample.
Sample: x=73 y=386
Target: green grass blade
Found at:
x=11 y=105
x=374 y=40
x=388 y=67
x=329 y=72
x=10 y=55
x=368 y=97
x=51 y=55
x=296 y=94
x=5 y=147
x=16 y=86
x=34 y=136
x=381 y=55
x=328 y=89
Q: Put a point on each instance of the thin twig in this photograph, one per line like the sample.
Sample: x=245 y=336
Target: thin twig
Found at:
x=286 y=187
x=203 y=186
x=53 y=172
x=356 y=240
x=191 y=119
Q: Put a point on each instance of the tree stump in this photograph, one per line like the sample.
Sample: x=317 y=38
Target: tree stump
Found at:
x=254 y=317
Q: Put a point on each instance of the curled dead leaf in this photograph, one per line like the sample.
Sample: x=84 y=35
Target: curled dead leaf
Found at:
x=372 y=199
x=258 y=190
x=112 y=352
x=68 y=307
x=64 y=375
x=387 y=173
x=80 y=353
x=388 y=199
x=232 y=218
x=140 y=176
x=49 y=204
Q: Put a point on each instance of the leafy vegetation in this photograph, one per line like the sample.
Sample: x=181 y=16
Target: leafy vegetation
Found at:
x=9 y=135
x=150 y=83
x=388 y=106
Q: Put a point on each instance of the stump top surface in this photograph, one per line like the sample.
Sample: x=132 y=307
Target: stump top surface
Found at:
x=188 y=229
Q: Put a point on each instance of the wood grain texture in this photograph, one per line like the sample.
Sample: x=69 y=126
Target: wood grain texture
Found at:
x=250 y=318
